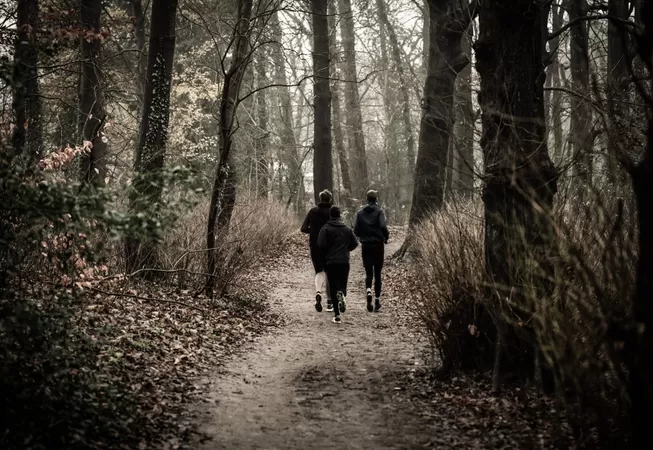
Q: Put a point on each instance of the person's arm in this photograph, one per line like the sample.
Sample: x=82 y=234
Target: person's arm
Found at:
x=353 y=242
x=306 y=225
x=322 y=238
x=384 y=227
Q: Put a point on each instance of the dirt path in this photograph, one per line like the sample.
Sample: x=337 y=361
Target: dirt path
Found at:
x=316 y=385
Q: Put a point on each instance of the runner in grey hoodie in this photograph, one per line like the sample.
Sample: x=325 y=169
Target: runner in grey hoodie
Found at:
x=372 y=231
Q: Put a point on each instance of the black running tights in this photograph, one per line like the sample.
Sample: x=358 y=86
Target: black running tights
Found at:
x=337 y=277
x=373 y=255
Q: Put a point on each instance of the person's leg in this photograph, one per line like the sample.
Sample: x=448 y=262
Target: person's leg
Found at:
x=332 y=274
x=367 y=264
x=378 y=267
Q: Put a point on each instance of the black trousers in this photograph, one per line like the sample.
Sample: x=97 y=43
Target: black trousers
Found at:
x=373 y=254
x=317 y=258
x=337 y=277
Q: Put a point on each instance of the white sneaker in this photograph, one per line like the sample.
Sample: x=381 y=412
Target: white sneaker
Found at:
x=336 y=319
x=329 y=307
x=370 y=308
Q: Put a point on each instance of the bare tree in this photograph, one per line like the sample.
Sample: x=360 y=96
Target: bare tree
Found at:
x=223 y=195
x=91 y=95
x=353 y=115
x=322 y=159
x=262 y=141
x=519 y=176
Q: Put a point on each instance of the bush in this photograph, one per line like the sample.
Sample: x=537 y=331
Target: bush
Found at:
x=258 y=228
x=572 y=325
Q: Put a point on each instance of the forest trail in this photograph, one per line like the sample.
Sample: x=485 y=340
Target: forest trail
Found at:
x=313 y=384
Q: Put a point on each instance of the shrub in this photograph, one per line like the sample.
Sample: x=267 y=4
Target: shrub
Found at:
x=572 y=325
x=258 y=227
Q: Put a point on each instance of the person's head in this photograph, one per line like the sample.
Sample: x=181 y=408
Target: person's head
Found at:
x=325 y=196
x=334 y=212
x=372 y=196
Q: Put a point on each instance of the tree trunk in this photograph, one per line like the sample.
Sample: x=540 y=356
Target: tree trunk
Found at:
x=91 y=94
x=338 y=136
x=353 y=113
x=554 y=99
x=322 y=159
x=288 y=154
x=581 y=119
x=223 y=197
x=463 y=148
x=519 y=179
x=403 y=84
x=150 y=153
x=262 y=142
x=618 y=79
x=27 y=139
x=448 y=23
x=139 y=34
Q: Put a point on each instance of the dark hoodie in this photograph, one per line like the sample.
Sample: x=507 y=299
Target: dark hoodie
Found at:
x=370 y=225
x=315 y=219
x=336 y=241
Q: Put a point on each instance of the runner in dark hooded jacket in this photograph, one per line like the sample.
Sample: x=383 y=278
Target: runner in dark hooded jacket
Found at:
x=372 y=230
x=315 y=219
x=336 y=241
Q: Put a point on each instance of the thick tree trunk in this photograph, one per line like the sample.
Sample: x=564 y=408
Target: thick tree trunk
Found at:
x=27 y=139
x=403 y=84
x=288 y=153
x=223 y=196
x=463 y=148
x=448 y=23
x=520 y=179
x=581 y=119
x=262 y=142
x=150 y=153
x=554 y=99
x=338 y=136
x=353 y=115
x=91 y=94
x=322 y=159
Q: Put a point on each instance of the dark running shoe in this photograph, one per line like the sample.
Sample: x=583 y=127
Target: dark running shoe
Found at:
x=370 y=308
x=342 y=304
x=318 y=302
x=337 y=319
x=377 y=304
x=329 y=305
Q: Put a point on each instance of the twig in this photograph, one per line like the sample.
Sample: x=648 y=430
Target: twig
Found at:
x=140 y=297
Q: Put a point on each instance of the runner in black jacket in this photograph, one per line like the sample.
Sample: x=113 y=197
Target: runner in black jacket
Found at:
x=371 y=228
x=315 y=219
x=336 y=241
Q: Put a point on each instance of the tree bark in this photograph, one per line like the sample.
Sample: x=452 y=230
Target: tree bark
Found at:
x=448 y=22
x=91 y=97
x=554 y=99
x=27 y=139
x=403 y=84
x=150 y=153
x=139 y=34
x=338 y=136
x=581 y=119
x=322 y=159
x=519 y=179
x=353 y=115
x=223 y=197
x=262 y=142
x=463 y=148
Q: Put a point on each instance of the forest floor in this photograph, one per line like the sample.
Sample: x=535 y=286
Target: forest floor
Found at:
x=363 y=384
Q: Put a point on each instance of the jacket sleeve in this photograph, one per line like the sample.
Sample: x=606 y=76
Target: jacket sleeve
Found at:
x=357 y=227
x=353 y=242
x=384 y=226
x=306 y=224
x=322 y=238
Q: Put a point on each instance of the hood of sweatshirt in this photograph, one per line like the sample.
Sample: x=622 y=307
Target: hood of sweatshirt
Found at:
x=336 y=223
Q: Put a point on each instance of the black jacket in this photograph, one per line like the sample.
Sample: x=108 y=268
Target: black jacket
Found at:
x=315 y=219
x=336 y=241
x=370 y=225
